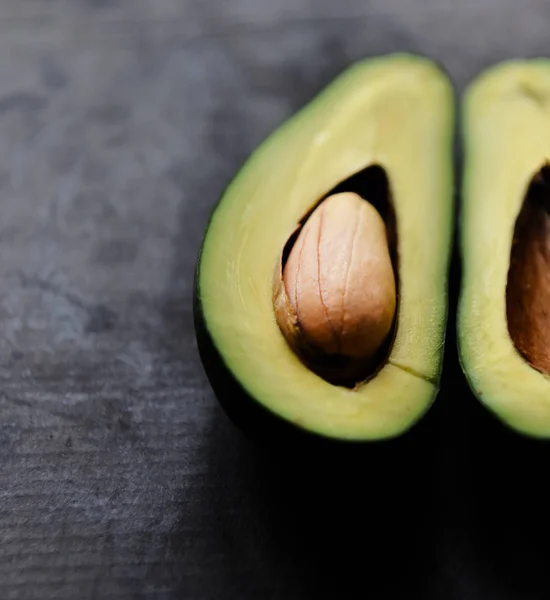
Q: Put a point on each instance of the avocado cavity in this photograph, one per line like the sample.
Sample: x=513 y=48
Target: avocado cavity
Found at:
x=335 y=286
x=528 y=288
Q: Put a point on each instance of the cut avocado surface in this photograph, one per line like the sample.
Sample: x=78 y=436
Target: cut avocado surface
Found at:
x=391 y=115
x=503 y=322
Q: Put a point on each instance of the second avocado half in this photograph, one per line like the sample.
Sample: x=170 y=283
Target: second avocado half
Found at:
x=383 y=130
x=504 y=307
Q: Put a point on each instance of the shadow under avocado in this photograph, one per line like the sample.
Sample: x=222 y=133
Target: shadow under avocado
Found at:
x=331 y=523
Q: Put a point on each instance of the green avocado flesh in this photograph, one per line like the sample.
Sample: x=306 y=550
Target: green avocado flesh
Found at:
x=505 y=243
x=396 y=112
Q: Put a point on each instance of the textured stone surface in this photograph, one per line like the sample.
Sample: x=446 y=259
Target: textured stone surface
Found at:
x=120 y=123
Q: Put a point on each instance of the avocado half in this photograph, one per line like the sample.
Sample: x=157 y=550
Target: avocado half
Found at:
x=503 y=324
x=387 y=118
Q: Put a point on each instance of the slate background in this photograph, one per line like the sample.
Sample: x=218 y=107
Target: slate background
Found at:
x=120 y=124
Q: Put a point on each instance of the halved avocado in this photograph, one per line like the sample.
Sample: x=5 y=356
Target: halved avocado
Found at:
x=384 y=129
x=504 y=305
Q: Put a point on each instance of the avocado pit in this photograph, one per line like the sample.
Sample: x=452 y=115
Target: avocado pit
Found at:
x=335 y=288
x=528 y=286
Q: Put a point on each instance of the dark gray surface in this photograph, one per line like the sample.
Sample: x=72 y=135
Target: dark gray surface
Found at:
x=120 y=124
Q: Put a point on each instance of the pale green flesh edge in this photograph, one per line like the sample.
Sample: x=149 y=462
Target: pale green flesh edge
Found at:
x=507 y=139
x=396 y=111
